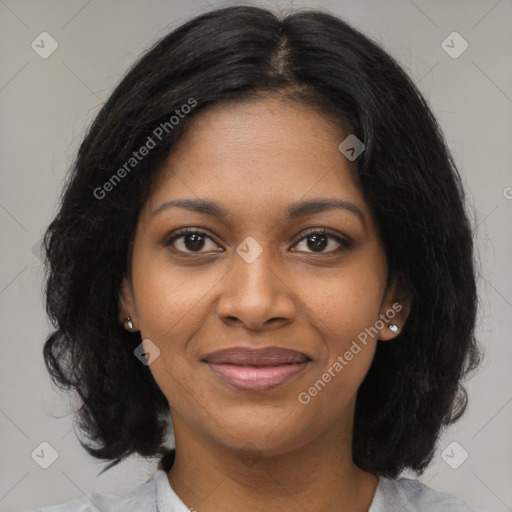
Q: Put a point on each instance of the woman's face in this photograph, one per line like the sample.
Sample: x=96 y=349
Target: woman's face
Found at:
x=257 y=277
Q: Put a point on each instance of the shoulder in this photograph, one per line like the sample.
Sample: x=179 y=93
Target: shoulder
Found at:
x=140 y=499
x=411 y=496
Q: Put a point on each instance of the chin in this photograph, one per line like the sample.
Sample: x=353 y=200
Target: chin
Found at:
x=267 y=438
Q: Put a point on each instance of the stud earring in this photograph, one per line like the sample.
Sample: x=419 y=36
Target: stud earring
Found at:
x=129 y=322
x=393 y=328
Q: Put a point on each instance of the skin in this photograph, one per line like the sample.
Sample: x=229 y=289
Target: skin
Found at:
x=260 y=451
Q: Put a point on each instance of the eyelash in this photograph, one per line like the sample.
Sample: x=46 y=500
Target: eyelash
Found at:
x=344 y=243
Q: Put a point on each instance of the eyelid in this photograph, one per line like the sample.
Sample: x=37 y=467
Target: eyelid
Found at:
x=343 y=241
x=168 y=240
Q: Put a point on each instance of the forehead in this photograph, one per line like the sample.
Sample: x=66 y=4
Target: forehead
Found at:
x=255 y=154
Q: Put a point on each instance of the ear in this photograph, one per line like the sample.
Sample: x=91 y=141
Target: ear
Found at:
x=126 y=305
x=395 y=310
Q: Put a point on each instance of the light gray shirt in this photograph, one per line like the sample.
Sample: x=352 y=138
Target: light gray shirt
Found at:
x=156 y=495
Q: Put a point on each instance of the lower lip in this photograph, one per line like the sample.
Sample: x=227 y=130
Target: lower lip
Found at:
x=256 y=378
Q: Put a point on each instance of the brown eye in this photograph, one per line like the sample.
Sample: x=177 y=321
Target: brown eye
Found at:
x=189 y=241
x=318 y=241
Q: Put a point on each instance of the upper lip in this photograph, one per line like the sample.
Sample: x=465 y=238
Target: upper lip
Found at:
x=267 y=356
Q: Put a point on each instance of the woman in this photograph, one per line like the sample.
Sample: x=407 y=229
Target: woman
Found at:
x=264 y=235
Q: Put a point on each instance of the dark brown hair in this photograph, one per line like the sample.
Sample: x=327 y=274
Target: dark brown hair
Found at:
x=408 y=178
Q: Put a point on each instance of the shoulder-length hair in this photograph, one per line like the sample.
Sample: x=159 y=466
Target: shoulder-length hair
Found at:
x=408 y=177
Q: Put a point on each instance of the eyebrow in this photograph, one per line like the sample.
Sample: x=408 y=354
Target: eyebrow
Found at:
x=294 y=211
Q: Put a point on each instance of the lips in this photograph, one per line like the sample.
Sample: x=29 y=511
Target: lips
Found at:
x=268 y=356
x=256 y=369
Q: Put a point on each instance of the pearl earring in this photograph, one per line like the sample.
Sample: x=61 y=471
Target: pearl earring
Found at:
x=393 y=328
x=129 y=322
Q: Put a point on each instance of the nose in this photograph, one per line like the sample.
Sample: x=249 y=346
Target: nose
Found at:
x=256 y=294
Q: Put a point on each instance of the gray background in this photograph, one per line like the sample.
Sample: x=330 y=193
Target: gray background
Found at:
x=46 y=105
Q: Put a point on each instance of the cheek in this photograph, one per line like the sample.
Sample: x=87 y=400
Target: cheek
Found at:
x=172 y=305
x=346 y=316
x=345 y=320
x=170 y=300
x=348 y=302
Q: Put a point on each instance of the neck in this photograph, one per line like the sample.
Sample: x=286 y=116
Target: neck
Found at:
x=320 y=475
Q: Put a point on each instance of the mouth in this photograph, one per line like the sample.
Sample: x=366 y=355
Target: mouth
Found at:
x=256 y=369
